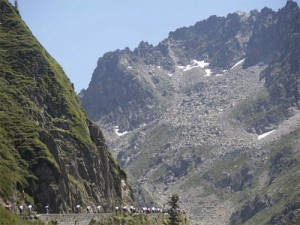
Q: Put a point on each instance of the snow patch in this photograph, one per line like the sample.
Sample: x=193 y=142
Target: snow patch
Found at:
x=238 y=63
x=208 y=73
x=170 y=75
x=118 y=133
x=202 y=64
x=264 y=135
x=129 y=67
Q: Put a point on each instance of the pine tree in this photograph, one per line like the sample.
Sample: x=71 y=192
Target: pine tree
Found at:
x=173 y=211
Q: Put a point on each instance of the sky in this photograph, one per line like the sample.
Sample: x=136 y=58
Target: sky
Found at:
x=77 y=32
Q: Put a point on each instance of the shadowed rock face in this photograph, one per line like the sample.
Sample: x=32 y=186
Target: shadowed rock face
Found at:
x=131 y=100
x=92 y=172
x=50 y=151
x=249 y=210
x=210 y=113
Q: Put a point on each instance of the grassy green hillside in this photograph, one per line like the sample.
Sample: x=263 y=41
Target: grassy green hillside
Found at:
x=50 y=152
x=141 y=219
x=27 y=73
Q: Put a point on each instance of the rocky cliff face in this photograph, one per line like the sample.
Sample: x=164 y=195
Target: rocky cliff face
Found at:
x=214 y=116
x=50 y=151
x=133 y=102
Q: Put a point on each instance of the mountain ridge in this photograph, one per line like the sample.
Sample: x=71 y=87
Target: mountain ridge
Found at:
x=214 y=117
x=162 y=56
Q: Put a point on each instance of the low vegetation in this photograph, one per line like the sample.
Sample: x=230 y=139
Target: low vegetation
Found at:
x=8 y=218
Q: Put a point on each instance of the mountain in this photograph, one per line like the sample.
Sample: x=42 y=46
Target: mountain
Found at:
x=50 y=152
x=210 y=113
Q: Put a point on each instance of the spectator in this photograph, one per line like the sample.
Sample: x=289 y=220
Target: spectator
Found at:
x=47 y=209
x=21 y=209
x=98 y=209
x=77 y=208
x=29 y=209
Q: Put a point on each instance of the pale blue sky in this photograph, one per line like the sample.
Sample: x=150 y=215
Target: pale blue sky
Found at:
x=77 y=32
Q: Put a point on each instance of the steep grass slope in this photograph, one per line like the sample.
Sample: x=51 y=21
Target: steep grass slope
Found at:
x=50 y=152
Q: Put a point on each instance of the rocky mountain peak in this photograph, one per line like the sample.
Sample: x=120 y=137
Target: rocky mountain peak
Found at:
x=291 y=5
x=272 y=31
x=144 y=45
